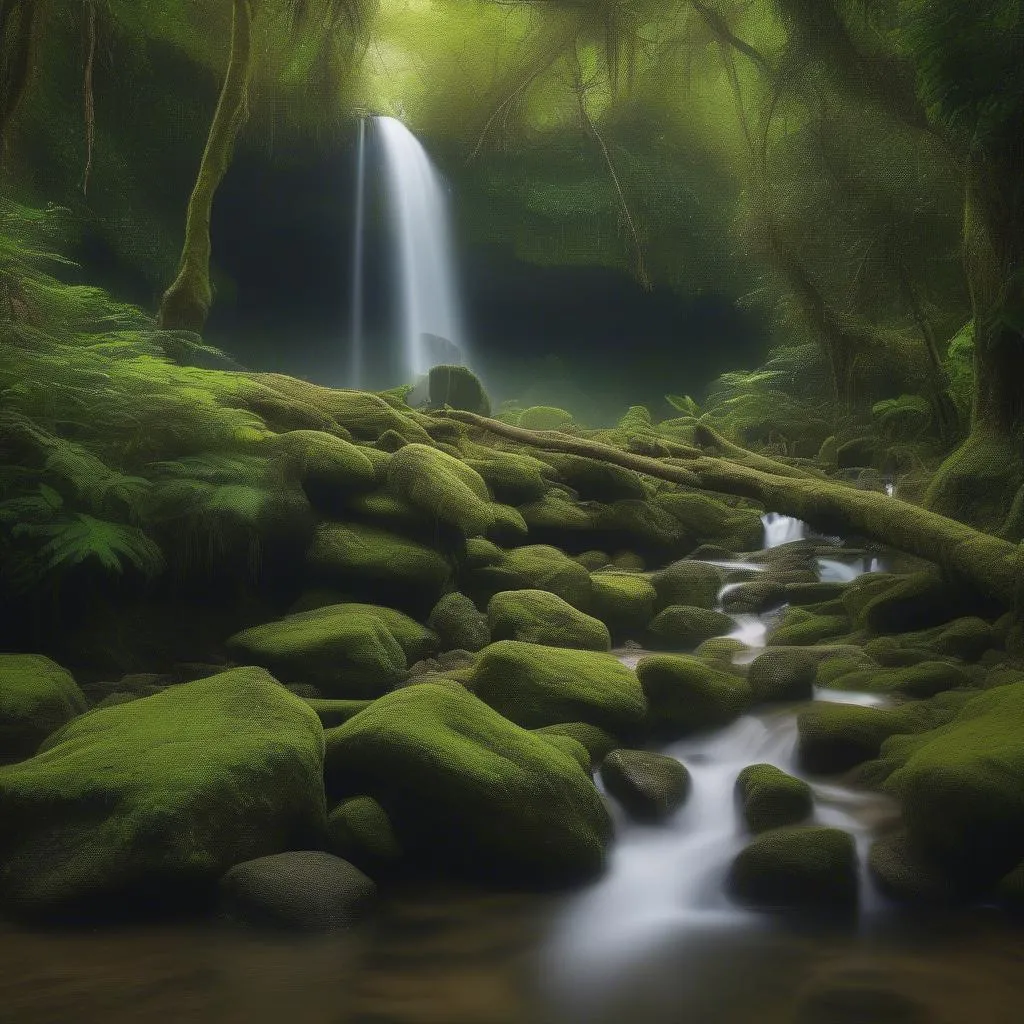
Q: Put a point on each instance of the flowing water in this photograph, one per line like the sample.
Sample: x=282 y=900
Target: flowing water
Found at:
x=357 y=355
x=655 y=941
x=415 y=196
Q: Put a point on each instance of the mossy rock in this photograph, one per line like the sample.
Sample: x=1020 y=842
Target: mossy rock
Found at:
x=513 y=479
x=37 y=696
x=686 y=695
x=925 y=679
x=804 y=867
x=679 y=626
x=544 y=417
x=649 y=786
x=594 y=560
x=307 y=891
x=629 y=561
x=594 y=480
x=636 y=524
x=331 y=469
x=457 y=387
x=809 y=593
x=707 y=520
x=961 y=788
x=481 y=552
x=836 y=737
x=443 y=488
x=539 y=617
x=359 y=831
x=535 y=686
x=919 y=601
x=377 y=565
x=534 y=567
x=624 y=601
x=332 y=712
x=507 y=526
x=799 y=627
x=385 y=510
x=570 y=746
x=891 y=652
x=351 y=650
x=458 y=624
x=782 y=674
x=967 y=638
x=721 y=651
x=905 y=877
x=689 y=583
x=391 y=441
x=771 y=799
x=441 y=763
x=836 y=671
x=557 y=518
x=597 y=742
x=147 y=803
x=754 y=597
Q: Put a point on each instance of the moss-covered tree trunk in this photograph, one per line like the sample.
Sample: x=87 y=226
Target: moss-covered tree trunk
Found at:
x=186 y=304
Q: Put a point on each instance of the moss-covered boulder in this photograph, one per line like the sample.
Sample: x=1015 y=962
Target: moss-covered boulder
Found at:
x=635 y=524
x=687 y=695
x=469 y=793
x=376 y=565
x=679 y=627
x=836 y=737
x=759 y=595
x=513 y=479
x=721 y=651
x=649 y=786
x=806 y=867
x=544 y=417
x=782 y=674
x=569 y=746
x=595 y=741
x=922 y=680
x=37 y=696
x=623 y=601
x=961 y=788
x=359 y=831
x=331 y=469
x=534 y=567
x=967 y=638
x=535 y=686
x=800 y=626
x=904 y=876
x=594 y=480
x=350 y=650
x=334 y=711
x=538 y=617
x=385 y=510
x=707 y=520
x=918 y=601
x=458 y=623
x=458 y=387
x=442 y=487
x=688 y=583
x=150 y=801
x=300 y=890
x=771 y=799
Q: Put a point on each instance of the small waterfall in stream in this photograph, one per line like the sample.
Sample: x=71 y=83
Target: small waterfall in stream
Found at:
x=431 y=320
x=357 y=261
x=780 y=529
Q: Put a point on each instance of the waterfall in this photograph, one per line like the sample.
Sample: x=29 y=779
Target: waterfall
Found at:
x=419 y=215
x=357 y=261
x=779 y=529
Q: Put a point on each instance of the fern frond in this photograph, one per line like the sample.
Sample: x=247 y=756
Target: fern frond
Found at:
x=83 y=538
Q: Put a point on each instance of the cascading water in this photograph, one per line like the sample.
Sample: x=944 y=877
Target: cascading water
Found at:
x=431 y=323
x=357 y=261
x=779 y=529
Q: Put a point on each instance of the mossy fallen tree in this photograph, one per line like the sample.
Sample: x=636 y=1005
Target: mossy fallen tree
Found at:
x=992 y=566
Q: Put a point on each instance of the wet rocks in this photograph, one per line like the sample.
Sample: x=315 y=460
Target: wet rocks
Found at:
x=687 y=695
x=771 y=799
x=782 y=674
x=836 y=737
x=650 y=786
x=37 y=696
x=678 y=626
x=539 y=617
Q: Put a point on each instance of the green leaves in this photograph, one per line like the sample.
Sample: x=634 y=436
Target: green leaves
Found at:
x=83 y=538
x=684 y=403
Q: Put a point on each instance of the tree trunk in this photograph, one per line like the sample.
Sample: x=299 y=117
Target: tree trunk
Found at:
x=18 y=21
x=186 y=303
x=993 y=567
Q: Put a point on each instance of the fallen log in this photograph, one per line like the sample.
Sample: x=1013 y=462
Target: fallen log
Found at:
x=993 y=567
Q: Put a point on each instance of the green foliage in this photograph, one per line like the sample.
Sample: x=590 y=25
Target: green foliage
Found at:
x=906 y=417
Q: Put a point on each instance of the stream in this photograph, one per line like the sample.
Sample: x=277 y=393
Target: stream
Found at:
x=655 y=941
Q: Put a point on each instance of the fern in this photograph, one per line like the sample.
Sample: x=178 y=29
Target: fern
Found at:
x=82 y=538
x=684 y=403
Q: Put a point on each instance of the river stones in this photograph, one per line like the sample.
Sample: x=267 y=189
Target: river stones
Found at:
x=680 y=627
x=595 y=741
x=538 y=617
x=782 y=674
x=535 y=686
x=836 y=737
x=300 y=890
x=800 y=626
x=688 y=583
x=458 y=624
x=515 y=479
x=649 y=786
x=469 y=793
x=807 y=867
x=534 y=567
x=770 y=798
x=147 y=803
x=687 y=695
x=37 y=696
x=359 y=831
x=624 y=601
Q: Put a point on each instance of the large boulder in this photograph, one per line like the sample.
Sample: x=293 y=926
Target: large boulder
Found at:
x=836 y=737
x=299 y=890
x=687 y=695
x=800 y=626
x=679 y=627
x=535 y=686
x=534 y=567
x=538 y=617
x=457 y=387
x=331 y=469
x=150 y=802
x=37 y=696
x=707 y=520
x=782 y=674
x=770 y=798
x=514 y=479
x=468 y=792
x=807 y=867
x=458 y=623
x=597 y=743
x=345 y=650
x=650 y=786
x=689 y=583
x=594 y=480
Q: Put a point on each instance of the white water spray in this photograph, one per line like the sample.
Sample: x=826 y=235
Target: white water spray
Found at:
x=779 y=529
x=419 y=216
x=357 y=262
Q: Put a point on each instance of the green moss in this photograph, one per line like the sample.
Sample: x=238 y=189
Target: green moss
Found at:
x=623 y=601
x=481 y=552
x=385 y=510
x=458 y=387
x=635 y=524
x=513 y=479
x=594 y=560
x=593 y=480
x=334 y=712
x=679 y=627
x=570 y=746
x=535 y=686
x=507 y=525
x=801 y=867
x=904 y=876
x=442 y=763
x=458 y=623
x=915 y=602
x=539 y=617
x=967 y=638
x=352 y=650
x=535 y=567
x=597 y=742
x=770 y=798
x=544 y=417
x=376 y=564
x=441 y=487
x=37 y=696
x=686 y=695
x=650 y=786
x=836 y=737
x=782 y=674
x=330 y=469
x=754 y=597
x=628 y=561
x=720 y=651
x=358 y=830
x=708 y=521
x=689 y=583
x=799 y=626
x=152 y=800
x=833 y=671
